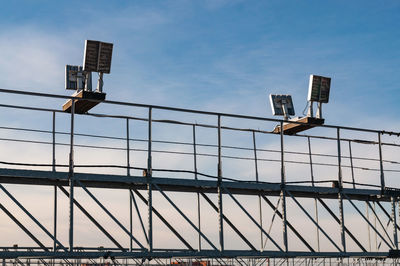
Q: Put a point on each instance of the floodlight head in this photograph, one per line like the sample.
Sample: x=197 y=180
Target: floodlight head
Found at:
x=76 y=79
x=97 y=57
x=73 y=77
x=318 y=89
x=282 y=105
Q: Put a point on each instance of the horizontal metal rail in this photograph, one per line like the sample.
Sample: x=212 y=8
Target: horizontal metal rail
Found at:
x=36 y=177
x=48 y=95
x=199 y=254
x=188 y=144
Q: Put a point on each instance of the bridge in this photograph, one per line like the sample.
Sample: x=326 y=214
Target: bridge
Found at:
x=136 y=183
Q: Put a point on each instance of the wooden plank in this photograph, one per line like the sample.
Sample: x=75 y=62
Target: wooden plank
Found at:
x=84 y=105
x=293 y=128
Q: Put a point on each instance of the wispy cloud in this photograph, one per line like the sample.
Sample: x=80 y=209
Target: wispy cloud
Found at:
x=33 y=59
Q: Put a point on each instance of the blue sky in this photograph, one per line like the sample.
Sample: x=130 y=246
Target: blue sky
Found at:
x=217 y=55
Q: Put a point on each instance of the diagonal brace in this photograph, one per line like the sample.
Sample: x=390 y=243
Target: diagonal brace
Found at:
x=387 y=214
x=228 y=221
x=109 y=214
x=139 y=215
x=30 y=216
x=251 y=218
x=358 y=210
x=312 y=219
x=184 y=216
x=101 y=228
x=380 y=223
x=338 y=221
x=23 y=227
x=276 y=211
x=165 y=222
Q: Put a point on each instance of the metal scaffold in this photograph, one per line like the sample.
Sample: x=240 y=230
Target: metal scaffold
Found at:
x=173 y=186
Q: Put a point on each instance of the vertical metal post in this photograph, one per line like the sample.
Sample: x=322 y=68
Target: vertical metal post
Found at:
x=368 y=226
x=259 y=196
x=376 y=235
x=311 y=163
x=128 y=173
x=351 y=165
x=312 y=183
x=396 y=244
x=149 y=188
x=54 y=143
x=397 y=200
x=55 y=186
x=195 y=177
x=341 y=215
x=283 y=191
x=220 y=213
x=381 y=163
x=71 y=180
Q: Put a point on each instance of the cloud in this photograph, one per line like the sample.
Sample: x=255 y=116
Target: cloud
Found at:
x=33 y=59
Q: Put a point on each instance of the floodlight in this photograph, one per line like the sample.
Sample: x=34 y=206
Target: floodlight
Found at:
x=97 y=57
x=75 y=78
x=282 y=105
x=318 y=90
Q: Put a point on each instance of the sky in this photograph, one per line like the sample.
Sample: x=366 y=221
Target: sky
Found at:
x=215 y=55
x=224 y=56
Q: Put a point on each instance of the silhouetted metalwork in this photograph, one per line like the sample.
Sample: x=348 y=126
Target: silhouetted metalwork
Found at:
x=348 y=192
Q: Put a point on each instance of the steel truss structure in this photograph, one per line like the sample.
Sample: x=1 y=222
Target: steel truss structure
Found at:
x=370 y=201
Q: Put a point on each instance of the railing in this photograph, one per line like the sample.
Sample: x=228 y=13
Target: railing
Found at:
x=256 y=151
x=164 y=142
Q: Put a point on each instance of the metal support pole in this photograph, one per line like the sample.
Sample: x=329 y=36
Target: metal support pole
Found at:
x=259 y=196
x=55 y=187
x=368 y=226
x=149 y=188
x=396 y=244
x=376 y=235
x=220 y=212
x=351 y=165
x=399 y=213
x=283 y=192
x=128 y=173
x=340 y=180
x=195 y=177
x=139 y=215
x=311 y=163
x=71 y=180
x=381 y=163
x=312 y=183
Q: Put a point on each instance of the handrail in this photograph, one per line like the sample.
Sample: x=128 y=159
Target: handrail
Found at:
x=39 y=94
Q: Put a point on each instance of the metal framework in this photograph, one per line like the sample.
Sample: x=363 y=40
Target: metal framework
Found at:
x=355 y=195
